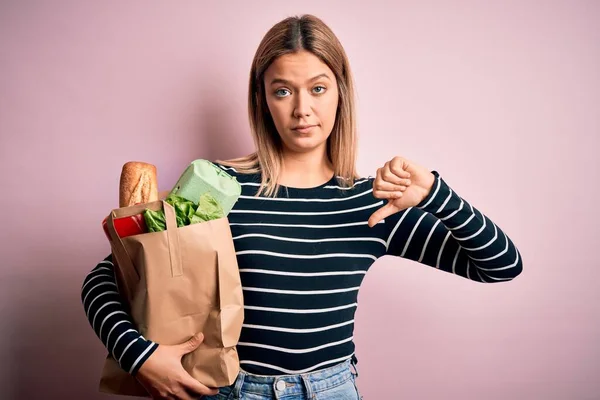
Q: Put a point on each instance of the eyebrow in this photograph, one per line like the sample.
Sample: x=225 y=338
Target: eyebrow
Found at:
x=286 y=82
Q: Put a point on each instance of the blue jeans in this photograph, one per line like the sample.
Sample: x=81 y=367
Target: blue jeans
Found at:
x=337 y=382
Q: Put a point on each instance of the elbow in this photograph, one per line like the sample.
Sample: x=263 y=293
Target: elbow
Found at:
x=501 y=275
x=84 y=287
x=85 y=284
x=504 y=274
x=507 y=276
x=518 y=268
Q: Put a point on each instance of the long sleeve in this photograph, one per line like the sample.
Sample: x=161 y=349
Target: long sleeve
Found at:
x=108 y=316
x=446 y=232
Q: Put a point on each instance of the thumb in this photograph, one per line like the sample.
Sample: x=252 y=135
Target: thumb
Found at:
x=192 y=343
x=381 y=214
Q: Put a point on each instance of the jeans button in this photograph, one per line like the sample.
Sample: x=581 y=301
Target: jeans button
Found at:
x=280 y=385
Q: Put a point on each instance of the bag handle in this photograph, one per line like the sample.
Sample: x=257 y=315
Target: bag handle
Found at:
x=123 y=262
x=173 y=238
x=128 y=270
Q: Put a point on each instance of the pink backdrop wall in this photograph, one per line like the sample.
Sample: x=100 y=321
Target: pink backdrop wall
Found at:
x=502 y=98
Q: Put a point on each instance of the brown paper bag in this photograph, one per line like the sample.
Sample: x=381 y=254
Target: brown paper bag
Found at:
x=176 y=283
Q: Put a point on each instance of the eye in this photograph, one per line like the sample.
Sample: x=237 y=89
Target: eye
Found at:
x=320 y=87
x=278 y=92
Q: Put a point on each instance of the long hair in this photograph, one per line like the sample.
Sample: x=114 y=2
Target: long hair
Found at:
x=291 y=35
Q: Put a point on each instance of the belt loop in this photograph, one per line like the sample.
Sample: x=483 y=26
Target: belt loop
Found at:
x=239 y=382
x=307 y=385
x=353 y=367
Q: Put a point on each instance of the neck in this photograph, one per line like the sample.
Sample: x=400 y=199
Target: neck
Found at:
x=305 y=169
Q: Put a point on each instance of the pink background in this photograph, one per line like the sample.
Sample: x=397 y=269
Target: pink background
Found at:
x=502 y=98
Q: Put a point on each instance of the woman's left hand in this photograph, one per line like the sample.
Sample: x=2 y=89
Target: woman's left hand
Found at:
x=403 y=183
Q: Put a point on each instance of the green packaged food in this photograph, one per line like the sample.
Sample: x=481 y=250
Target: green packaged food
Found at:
x=202 y=176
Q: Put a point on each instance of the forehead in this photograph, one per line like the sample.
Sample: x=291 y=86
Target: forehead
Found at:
x=298 y=67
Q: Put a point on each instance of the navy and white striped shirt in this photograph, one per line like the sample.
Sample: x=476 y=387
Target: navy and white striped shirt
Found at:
x=302 y=257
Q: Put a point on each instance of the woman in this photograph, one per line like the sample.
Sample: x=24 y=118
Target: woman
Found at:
x=306 y=230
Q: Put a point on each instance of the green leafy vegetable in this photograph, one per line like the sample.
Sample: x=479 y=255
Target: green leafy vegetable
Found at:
x=155 y=220
x=184 y=209
x=186 y=212
x=208 y=208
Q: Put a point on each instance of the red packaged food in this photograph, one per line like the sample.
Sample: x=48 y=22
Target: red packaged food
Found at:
x=127 y=226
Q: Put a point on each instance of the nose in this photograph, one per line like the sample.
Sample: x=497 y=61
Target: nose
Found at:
x=303 y=105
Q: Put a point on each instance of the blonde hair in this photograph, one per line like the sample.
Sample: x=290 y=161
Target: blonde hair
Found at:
x=291 y=35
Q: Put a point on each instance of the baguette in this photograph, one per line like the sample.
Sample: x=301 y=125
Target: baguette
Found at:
x=138 y=184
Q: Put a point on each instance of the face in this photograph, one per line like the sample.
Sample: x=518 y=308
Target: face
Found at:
x=301 y=91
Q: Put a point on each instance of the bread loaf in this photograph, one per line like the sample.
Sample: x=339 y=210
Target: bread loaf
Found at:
x=138 y=184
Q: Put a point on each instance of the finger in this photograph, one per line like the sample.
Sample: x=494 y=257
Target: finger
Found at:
x=196 y=388
x=399 y=167
x=399 y=178
x=182 y=394
x=191 y=344
x=185 y=394
x=387 y=195
x=388 y=186
x=381 y=214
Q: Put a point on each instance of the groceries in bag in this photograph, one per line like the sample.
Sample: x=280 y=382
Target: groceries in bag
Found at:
x=178 y=282
x=203 y=192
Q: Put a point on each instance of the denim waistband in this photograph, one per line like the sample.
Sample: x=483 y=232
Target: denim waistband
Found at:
x=308 y=383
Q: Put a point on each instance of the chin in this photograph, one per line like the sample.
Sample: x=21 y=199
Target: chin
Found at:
x=304 y=143
x=304 y=147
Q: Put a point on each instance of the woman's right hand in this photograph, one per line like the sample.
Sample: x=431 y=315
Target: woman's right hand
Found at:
x=164 y=377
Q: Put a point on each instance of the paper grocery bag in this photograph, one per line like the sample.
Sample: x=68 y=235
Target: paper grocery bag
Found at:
x=176 y=283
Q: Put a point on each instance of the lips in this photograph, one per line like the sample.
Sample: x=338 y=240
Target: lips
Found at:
x=303 y=128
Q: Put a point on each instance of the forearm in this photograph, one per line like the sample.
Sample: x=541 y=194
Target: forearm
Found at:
x=108 y=316
x=487 y=248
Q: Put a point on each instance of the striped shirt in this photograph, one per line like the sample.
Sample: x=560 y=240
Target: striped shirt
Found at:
x=302 y=257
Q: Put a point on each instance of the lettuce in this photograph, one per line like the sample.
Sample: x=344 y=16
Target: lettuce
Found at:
x=208 y=208
x=186 y=212
x=155 y=220
x=184 y=209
